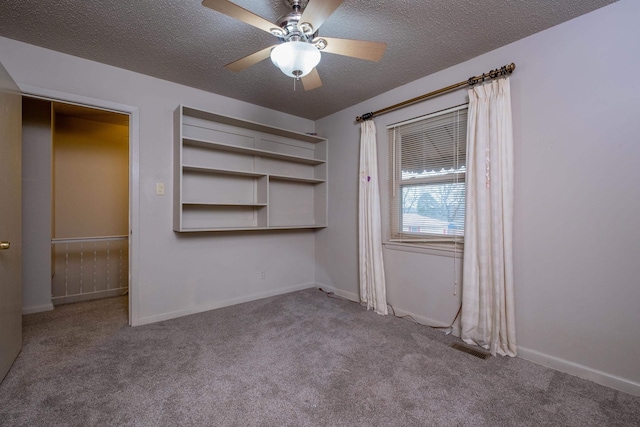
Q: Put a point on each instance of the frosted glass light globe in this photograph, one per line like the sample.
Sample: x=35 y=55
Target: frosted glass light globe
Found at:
x=295 y=59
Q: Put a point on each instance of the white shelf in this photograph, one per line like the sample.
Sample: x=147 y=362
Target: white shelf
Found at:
x=246 y=124
x=223 y=204
x=251 y=151
x=201 y=169
x=296 y=179
x=233 y=175
x=206 y=229
x=191 y=168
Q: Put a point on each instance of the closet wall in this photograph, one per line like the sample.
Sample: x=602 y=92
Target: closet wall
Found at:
x=36 y=205
x=90 y=204
x=90 y=173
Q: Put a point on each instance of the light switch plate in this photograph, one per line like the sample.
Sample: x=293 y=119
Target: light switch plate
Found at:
x=160 y=188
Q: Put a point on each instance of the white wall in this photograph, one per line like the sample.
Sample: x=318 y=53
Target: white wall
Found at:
x=177 y=274
x=36 y=206
x=577 y=228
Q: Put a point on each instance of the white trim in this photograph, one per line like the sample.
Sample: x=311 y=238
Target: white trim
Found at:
x=134 y=177
x=37 y=308
x=134 y=217
x=424 y=321
x=220 y=304
x=339 y=292
x=70 y=98
x=581 y=371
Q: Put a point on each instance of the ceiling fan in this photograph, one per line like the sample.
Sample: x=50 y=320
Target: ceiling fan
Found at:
x=299 y=51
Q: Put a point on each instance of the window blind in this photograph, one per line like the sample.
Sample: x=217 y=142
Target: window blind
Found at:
x=427 y=177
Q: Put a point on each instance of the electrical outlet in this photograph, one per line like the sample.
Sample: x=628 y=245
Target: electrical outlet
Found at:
x=262 y=275
x=160 y=188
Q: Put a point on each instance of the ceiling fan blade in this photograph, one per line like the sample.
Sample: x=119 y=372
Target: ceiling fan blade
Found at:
x=312 y=80
x=240 y=13
x=371 y=51
x=317 y=11
x=250 y=60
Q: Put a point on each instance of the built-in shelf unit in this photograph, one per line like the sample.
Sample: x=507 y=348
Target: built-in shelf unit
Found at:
x=232 y=174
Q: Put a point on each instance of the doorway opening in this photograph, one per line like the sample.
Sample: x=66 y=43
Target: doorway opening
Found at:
x=76 y=189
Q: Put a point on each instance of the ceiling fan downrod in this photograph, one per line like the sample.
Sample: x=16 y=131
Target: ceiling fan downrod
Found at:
x=293 y=29
x=296 y=5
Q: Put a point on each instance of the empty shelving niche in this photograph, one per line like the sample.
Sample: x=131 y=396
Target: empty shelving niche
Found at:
x=231 y=174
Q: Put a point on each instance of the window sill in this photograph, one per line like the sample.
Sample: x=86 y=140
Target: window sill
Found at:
x=437 y=249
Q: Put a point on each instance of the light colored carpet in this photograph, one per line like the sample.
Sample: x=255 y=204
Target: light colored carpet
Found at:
x=299 y=359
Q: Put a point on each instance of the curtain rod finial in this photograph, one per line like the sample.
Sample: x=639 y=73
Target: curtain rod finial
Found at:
x=365 y=116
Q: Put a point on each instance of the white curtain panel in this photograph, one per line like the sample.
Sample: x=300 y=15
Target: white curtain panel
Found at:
x=372 y=285
x=488 y=316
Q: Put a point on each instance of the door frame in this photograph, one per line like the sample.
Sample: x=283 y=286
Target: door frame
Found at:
x=134 y=177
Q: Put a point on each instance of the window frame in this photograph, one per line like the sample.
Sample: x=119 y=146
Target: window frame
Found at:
x=439 y=244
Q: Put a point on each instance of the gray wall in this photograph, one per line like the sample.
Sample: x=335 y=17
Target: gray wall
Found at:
x=577 y=230
x=36 y=205
x=177 y=274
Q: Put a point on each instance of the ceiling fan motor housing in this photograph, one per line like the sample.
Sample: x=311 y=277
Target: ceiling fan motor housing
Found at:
x=293 y=29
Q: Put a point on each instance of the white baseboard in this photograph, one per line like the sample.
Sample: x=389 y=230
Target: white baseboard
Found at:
x=37 y=308
x=455 y=330
x=342 y=294
x=219 y=304
x=580 y=371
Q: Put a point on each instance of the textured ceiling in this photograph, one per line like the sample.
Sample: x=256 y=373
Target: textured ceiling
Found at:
x=184 y=42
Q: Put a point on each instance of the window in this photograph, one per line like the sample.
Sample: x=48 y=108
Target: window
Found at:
x=427 y=177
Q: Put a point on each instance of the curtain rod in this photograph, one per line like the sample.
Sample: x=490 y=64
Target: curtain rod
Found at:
x=502 y=71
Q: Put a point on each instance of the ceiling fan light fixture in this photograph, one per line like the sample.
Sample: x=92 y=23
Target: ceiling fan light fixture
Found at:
x=295 y=58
